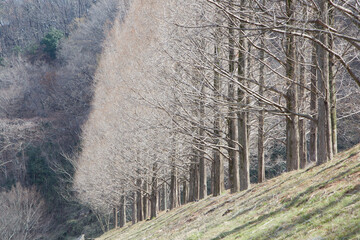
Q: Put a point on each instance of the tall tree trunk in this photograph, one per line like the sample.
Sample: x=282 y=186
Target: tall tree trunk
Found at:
x=302 y=129
x=242 y=115
x=179 y=191
x=165 y=193
x=233 y=149
x=145 y=200
x=154 y=192
x=292 y=125
x=202 y=164
x=212 y=176
x=313 y=108
x=332 y=86
x=218 y=164
x=324 y=122
x=115 y=213
x=149 y=200
x=261 y=118
x=134 y=210
x=173 y=188
x=160 y=198
x=122 y=211
x=185 y=192
x=194 y=177
x=173 y=198
x=139 y=202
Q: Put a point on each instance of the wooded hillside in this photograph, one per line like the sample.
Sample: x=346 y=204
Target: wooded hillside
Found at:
x=196 y=97
x=115 y=110
x=318 y=203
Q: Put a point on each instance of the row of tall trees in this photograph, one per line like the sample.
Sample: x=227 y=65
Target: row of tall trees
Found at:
x=186 y=105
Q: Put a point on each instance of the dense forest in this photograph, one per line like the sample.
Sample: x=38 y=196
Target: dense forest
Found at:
x=113 y=110
x=48 y=53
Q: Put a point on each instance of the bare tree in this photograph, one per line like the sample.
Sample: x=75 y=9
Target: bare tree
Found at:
x=23 y=214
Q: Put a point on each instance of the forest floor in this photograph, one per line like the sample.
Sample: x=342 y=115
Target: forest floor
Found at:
x=320 y=202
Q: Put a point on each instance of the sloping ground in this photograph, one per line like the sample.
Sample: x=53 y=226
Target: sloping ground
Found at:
x=317 y=203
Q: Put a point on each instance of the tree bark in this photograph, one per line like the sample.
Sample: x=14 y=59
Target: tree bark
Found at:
x=134 y=210
x=313 y=108
x=233 y=147
x=122 y=211
x=154 y=192
x=218 y=164
x=324 y=122
x=165 y=193
x=179 y=193
x=242 y=115
x=194 y=178
x=292 y=125
x=261 y=137
x=302 y=129
x=202 y=164
x=332 y=86
x=115 y=213
x=185 y=192
x=139 y=202
x=173 y=188
x=145 y=200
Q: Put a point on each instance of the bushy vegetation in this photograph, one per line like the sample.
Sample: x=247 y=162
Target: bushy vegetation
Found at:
x=40 y=174
x=51 y=42
x=45 y=95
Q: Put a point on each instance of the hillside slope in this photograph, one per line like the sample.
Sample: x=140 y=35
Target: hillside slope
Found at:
x=317 y=203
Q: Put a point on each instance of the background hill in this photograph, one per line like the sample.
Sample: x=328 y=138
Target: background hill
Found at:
x=317 y=203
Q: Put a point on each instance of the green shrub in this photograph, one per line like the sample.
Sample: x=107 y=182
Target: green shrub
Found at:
x=32 y=49
x=51 y=42
x=39 y=173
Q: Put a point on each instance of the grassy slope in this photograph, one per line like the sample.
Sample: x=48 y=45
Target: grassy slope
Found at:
x=316 y=203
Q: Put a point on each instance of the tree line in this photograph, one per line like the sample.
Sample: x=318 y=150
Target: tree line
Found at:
x=191 y=95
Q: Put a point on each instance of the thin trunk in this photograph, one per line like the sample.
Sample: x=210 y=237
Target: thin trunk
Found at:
x=194 y=177
x=165 y=197
x=134 y=210
x=325 y=153
x=313 y=109
x=185 y=192
x=242 y=115
x=145 y=200
x=179 y=195
x=115 y=213
x=212 y=177
x=139 y=205
x=218 y=164
x=154 y=192
x=173 y=188
x=332 y=86
x=158 y=195
x=122 y=211
x=202 y=165
x=302 y=130
x=149 y=201
x=233 y=149
x=261 y=137
x=292 y=125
